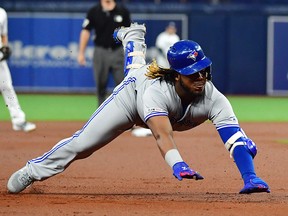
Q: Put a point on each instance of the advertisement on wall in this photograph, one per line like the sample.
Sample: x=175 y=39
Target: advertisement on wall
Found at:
x=45 y=48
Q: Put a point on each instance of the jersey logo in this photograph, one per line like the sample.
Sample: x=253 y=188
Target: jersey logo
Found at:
x=85 y=23
x=154 y=109
x=193 y=55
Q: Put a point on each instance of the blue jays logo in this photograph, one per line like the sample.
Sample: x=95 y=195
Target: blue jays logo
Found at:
x=193 y=55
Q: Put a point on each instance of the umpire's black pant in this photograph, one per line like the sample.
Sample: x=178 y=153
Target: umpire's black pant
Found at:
x=106 y=60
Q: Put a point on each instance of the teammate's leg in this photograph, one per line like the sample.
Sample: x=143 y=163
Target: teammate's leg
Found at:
x=9 y=95
x=17 y=115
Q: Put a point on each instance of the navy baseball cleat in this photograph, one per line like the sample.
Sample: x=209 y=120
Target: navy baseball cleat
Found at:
x=255 y=185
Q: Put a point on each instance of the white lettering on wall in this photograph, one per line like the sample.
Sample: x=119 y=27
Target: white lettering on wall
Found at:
x=46 y=55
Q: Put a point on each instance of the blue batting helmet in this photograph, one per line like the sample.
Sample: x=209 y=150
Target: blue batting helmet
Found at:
x=187 y=57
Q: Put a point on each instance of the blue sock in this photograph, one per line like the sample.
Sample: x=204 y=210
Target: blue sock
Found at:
x=244 y=162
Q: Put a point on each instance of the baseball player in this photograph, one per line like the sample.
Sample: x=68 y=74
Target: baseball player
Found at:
x=165 y=100
x=163 y=41
x=17 y=115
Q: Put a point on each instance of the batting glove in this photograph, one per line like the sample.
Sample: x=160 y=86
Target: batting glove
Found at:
x=182 y=170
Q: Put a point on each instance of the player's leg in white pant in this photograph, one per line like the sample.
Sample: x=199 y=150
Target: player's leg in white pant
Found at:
x=108 y=122
x=133 y=41
x=9 y=95
x=17 y=115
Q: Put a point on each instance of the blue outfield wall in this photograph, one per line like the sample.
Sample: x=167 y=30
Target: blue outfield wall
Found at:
x=45 y=48
x=235 y=38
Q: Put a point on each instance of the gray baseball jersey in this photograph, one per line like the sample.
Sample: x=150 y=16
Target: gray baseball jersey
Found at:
x=133 y=101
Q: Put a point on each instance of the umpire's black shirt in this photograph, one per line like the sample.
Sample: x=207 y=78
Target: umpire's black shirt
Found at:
x=105 y=22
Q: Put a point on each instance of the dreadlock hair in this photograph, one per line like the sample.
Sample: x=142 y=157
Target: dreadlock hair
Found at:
x=155 y=71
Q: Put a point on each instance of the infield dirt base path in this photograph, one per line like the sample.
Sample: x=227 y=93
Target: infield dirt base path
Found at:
x=129 y=176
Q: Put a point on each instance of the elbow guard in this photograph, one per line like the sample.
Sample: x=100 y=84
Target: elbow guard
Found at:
x=251 y=147
x=240 y=138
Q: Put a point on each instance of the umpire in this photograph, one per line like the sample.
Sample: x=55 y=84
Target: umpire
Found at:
x=108 y=56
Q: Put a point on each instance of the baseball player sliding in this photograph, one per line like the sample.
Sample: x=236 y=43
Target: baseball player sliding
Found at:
x=17 y=115
x=164 y=99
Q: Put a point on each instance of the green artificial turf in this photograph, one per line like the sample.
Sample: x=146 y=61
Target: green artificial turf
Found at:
x=49 y=107
x=260 y=109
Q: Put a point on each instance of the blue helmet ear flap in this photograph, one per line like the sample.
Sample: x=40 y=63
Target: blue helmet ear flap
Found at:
x=187 y=57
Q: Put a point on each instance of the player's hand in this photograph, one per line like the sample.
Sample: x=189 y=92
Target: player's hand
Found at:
x=81 y=59
x=182 y=170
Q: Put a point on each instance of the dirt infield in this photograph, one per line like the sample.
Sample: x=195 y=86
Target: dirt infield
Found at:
x=129 y=176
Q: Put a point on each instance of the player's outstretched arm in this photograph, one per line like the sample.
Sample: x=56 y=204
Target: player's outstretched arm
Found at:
x=163 y=133
x=242 y=149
